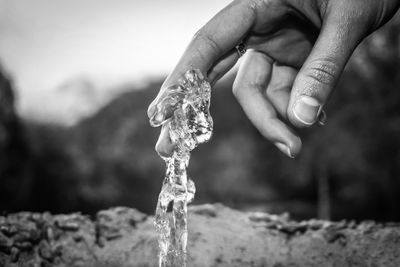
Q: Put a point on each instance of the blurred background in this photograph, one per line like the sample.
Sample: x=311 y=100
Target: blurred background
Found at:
x=77 y=77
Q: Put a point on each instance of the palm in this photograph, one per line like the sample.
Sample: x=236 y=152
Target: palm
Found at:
x=288 y=45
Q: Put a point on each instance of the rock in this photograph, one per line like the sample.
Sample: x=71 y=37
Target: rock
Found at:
x=218 y=236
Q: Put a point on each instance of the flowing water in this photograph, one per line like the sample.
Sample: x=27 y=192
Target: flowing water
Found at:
x=186 y=106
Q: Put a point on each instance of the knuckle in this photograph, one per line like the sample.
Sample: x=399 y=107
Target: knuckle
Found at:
x=205 y=43
x=322 y=72
x=255 y=5
x=241 y=88
x=264 y=4
x=259 y=7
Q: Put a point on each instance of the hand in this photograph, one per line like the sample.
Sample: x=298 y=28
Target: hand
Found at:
x=297 y=50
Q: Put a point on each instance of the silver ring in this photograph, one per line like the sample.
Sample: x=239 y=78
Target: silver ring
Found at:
x=241 y=48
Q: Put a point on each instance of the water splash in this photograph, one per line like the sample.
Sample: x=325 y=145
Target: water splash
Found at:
x=184 y=109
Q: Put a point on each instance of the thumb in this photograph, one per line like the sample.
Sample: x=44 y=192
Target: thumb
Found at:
x=340 y=34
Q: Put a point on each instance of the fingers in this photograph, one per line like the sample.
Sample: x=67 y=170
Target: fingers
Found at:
x=278 y=90
x=253 y=77
x=164 y=145
x=215 y=39
x=164 y=104
x=223 y=66
x=211 y=50
x=162 y=108
x=317 y=78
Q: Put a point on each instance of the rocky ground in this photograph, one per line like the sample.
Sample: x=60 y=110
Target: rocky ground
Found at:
x=218 y=236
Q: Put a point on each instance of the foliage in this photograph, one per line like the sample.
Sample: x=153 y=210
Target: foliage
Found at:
x=108 y=159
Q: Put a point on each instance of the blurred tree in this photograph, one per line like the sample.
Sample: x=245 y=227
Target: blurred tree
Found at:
x=15 y=182
x=347 y=169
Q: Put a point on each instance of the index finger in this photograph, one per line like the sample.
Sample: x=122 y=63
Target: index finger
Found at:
x=225 y=30
x=212 y=41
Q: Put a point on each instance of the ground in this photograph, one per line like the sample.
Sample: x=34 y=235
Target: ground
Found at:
x=218 y=236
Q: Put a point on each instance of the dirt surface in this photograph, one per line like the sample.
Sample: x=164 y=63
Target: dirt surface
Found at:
x=218 y=236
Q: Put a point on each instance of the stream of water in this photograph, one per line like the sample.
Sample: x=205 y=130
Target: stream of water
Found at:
x=190 y=125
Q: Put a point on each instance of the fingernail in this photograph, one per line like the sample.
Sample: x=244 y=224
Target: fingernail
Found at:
x=285 y=149
x=157 y=119
x=151 y=111
x=306 y=110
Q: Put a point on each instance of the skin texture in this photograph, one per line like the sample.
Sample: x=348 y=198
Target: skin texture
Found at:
x=297 y=50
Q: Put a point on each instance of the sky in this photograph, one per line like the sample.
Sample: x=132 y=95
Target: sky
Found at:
x=65 y=56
